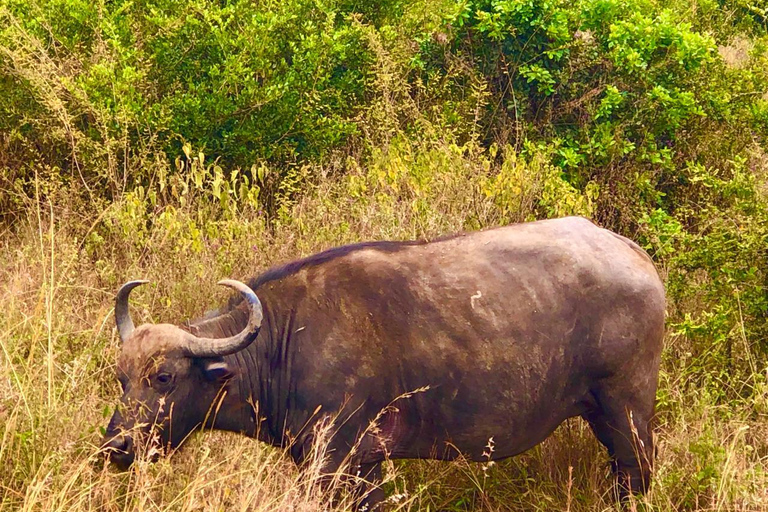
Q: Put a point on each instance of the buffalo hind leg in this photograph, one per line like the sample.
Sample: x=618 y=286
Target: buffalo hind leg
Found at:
x=623 y=426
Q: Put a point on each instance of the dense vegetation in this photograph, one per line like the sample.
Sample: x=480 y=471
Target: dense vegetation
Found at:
x=186 y=141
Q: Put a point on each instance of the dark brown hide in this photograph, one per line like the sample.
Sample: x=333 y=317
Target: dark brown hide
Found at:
x=512 y=330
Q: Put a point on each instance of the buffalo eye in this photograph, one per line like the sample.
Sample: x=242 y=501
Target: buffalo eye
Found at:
x=163 y=379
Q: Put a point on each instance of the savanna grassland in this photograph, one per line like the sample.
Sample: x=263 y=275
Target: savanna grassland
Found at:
x=189 y=141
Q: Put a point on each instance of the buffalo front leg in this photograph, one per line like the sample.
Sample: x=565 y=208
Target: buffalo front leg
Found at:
x=370 y=495
x=339 y=475
x=361 y=481
x=623 y=426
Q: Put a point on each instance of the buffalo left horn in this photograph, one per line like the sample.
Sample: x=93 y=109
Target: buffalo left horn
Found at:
x=211 y=347
x=122 y=315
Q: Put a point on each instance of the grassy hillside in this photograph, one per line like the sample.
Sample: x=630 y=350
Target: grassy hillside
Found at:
x=185 y=142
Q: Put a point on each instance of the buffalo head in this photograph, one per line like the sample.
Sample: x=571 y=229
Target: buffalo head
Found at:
x=170 y=378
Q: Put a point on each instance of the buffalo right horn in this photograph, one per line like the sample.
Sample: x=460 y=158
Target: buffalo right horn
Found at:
x=122 y=315
x=195 y=346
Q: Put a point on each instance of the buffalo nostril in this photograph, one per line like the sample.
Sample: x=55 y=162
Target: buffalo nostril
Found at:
x=121 y=443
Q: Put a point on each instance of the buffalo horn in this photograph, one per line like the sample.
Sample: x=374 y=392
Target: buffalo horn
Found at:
x=211 y=347
x=122 y=315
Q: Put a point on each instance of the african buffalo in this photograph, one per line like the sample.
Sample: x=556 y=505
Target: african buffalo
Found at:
x=510 y=330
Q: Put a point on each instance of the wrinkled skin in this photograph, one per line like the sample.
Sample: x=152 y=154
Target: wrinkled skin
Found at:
x=513 y=330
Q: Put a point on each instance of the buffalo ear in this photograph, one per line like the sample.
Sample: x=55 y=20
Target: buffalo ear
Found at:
x=216 y=370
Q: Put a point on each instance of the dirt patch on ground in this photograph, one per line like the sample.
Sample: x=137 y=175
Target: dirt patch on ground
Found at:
x=736 y=54
x=757 y=161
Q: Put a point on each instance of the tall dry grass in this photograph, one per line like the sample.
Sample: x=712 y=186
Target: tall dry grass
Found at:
x=63 y=260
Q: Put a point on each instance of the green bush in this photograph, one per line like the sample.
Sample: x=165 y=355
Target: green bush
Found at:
x=242 y=81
